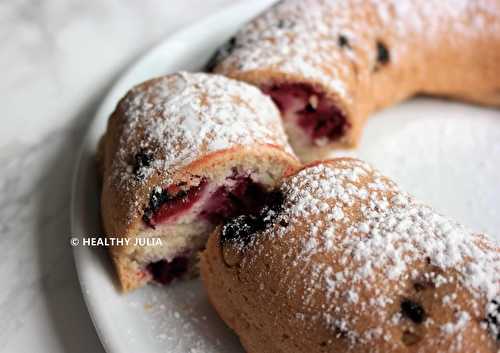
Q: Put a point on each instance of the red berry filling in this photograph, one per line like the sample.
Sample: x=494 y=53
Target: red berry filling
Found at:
x=239 y=194
x=317 y=116
x=163 y=206
x=165 y=272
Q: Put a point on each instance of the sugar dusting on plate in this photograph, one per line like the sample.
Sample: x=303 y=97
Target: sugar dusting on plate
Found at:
x=179 y=318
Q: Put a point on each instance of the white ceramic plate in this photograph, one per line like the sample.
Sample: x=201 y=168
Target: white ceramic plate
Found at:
x=445 y=153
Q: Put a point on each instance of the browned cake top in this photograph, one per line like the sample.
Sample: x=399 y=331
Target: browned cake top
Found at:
x=349 y=235
x=169 y=122
x=308 y=38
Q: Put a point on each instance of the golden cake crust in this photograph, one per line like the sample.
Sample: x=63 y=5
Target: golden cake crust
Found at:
x=365 y=57
x=179 y=128
x=354 y=264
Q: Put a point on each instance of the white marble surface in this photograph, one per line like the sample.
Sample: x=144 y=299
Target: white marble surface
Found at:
x=57 y=58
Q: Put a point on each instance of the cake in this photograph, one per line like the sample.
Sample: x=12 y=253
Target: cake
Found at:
x=340 y=259
x=182 y=153
x=329 y=64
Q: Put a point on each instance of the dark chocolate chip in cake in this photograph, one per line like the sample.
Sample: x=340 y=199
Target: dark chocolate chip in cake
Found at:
x=142 y=159
x=157 y=198
x=493 y=318
x=273 y=206
x=242 y=227
x=340 y=332
x=229 y=46
x=225 y=50
x=413 y=311
x=383 y=55
x=212 y=62
x=285 y=23
x=283 y=223
x=343 y=41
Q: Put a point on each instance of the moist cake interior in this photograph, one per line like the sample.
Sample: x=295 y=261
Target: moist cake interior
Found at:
x=300 y=104
x=208 y=202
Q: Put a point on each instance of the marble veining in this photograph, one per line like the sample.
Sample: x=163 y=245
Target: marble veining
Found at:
x=57 y=60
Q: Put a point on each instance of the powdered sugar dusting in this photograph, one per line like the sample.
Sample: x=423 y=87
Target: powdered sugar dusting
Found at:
x=331 y=42
x=179 y=319
x=366 y=243
x=179 y=118
x=184 y=116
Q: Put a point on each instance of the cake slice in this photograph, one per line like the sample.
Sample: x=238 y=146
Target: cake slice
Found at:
x=341 y=260
x=181 y=154
x=330 y=64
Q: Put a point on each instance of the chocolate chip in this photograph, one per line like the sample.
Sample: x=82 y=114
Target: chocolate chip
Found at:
x=229 y=46
x=412 y=310
x=285 y=24
x=283 y=223
x=142 y=159
x=383 y=55
x=212 y=62
x=493 y=318
x=343 y=41
x=272 y=207
x=225 y=50
x=340 y=332
x=156 y=199
x=241 y=228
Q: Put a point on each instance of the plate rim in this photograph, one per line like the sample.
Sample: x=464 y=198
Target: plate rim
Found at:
x=80 y=254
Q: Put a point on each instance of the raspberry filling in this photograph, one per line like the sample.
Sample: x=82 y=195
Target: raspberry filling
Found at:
x=238 y=194
x=317 y=116
x=163 y=206
x=241 y=195
x=164 y=271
